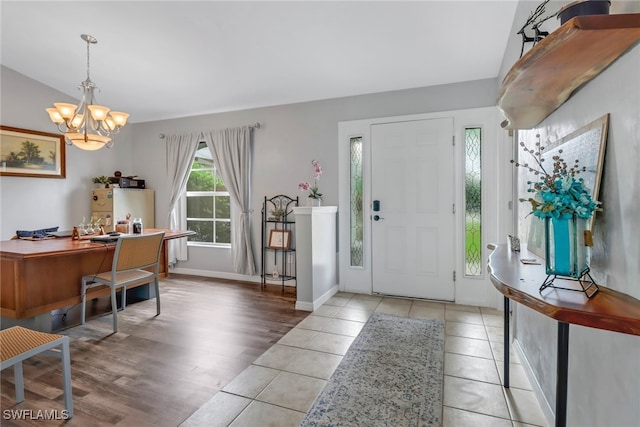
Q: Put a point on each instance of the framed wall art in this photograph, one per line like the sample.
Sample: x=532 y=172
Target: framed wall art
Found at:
x=31 y=153
x=587 y=145
x=279 y=239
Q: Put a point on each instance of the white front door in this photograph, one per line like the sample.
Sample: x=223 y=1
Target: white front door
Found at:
x=412 y=190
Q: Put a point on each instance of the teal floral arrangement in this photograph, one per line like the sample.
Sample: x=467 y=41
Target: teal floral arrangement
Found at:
x=314 y=192
x=561 y=193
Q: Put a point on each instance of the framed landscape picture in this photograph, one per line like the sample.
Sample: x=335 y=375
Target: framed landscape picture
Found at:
x=31 y=153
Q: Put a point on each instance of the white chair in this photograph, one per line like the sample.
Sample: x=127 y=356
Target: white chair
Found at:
x=18 y=344
x=136 y=260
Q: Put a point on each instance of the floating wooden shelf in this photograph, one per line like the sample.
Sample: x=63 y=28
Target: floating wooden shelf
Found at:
x=546 y=76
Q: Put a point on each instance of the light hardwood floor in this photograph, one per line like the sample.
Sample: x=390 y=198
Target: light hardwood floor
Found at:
x=156 y=371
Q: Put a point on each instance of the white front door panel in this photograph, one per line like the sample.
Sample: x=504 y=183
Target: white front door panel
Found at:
x=412 y=241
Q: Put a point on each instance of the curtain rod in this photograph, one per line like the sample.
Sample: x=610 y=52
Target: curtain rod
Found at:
x=253 y=126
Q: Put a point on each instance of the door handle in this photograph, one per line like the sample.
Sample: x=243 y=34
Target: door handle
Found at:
x=377 y=218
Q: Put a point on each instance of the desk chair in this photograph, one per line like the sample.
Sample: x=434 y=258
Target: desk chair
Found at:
x=136 y=260
x=18 y=344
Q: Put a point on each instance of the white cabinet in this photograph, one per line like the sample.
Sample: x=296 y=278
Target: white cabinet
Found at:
x=111 y=204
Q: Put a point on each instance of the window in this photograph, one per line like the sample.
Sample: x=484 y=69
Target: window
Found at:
x=356 y=208
x=473 y=201
x=208 y=202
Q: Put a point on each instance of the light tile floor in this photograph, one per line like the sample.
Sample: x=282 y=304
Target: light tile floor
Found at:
x=280 y=386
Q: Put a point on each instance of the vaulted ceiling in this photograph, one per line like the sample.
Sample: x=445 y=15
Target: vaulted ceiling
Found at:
x=167 y=59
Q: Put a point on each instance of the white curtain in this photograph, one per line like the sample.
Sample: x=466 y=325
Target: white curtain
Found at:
x=181 y=150
x=231 y=151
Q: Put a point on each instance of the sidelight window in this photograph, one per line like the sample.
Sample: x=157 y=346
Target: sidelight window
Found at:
x=473 y=201
x=356 y=203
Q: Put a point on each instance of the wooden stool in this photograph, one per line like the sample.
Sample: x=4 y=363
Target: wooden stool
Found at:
x=18 y=344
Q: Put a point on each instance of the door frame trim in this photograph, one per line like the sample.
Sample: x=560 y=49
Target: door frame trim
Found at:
x=358 y=279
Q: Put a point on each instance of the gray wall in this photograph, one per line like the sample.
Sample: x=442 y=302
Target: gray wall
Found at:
x=604 y=368
x=290 y=137
x=600 y=360
x=32 y=203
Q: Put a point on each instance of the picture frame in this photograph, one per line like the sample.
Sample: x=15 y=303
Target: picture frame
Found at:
x=279 y=239
x=588 y=145
x=30 y=153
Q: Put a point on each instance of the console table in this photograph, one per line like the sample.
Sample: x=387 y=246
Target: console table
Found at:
x=609 y=310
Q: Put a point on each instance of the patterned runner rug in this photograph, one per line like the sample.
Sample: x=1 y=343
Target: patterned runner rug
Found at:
x=392 y=375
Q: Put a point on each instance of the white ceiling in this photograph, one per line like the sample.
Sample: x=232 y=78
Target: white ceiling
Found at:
x=166 y=59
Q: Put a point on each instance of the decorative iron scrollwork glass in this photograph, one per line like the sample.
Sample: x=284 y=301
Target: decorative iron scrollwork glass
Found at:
x=356 y=202
x=473 y=201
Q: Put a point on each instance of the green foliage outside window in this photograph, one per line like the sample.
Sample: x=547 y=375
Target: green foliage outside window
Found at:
x=208 y=204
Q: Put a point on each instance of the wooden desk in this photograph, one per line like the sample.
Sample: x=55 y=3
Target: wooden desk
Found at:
x=37 y=277
x=608 y=309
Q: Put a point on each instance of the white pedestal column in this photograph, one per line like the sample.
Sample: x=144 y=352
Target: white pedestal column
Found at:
x=316 y=256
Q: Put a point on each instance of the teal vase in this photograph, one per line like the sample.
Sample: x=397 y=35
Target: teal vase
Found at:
x=566 y=253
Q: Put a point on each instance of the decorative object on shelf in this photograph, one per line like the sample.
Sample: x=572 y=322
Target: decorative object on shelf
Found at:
x=279 y=239
x=124 y=225
x=314 y=193
x=314 y=202
x=587 y=144
x=514 y=243
x=583 y=7
x=535 y=26
x=94 y=224
x=565 y=203
x=87 y=126
x=101 y=182
x=137 y=226
x=566 y=250
x=560 y=194
x=278 y=213
x=30 y=153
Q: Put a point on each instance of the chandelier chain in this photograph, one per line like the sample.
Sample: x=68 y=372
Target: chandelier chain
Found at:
x=88 y=48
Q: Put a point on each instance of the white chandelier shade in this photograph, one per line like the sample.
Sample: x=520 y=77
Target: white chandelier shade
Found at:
x=87 y=126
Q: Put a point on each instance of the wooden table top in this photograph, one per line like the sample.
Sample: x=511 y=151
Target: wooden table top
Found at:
x=608 y=309
x=34 y=248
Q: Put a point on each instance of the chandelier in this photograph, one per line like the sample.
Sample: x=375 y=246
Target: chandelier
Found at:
x=87 y=126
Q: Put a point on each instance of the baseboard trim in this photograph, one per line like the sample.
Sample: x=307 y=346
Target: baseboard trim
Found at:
x=216 y=274
x=304 y=306
x=547 y=409
x=313 y=306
